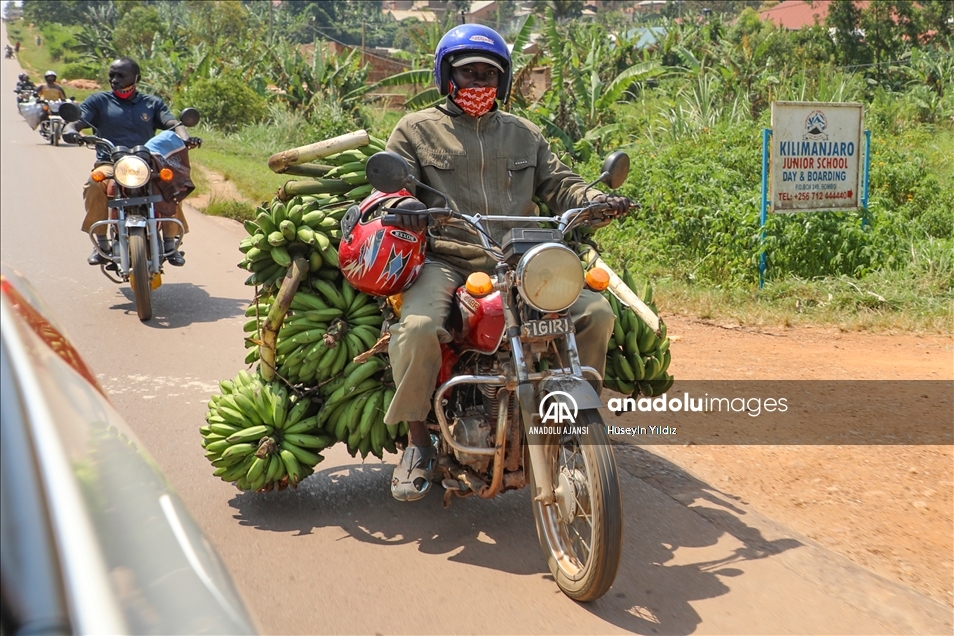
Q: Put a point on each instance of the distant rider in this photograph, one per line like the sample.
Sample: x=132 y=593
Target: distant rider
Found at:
x=24 y=85
x=128 y=118
x=51 y=91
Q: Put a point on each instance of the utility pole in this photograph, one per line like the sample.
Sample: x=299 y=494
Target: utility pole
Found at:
x=363 y=23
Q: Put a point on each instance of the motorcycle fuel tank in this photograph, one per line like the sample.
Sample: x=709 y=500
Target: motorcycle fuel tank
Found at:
x=482 y=321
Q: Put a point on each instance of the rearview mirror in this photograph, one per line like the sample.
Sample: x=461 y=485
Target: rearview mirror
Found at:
x=615 y=169
x=189 y=117
x=70 y=112
x=387 y=171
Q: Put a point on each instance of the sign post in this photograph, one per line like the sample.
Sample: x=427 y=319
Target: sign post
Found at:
x=814 y=160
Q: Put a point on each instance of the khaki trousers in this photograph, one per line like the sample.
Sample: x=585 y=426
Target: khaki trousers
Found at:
x=415 y=347
x=95 y=200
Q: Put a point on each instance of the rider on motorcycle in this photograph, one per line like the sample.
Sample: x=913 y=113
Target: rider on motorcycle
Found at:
x=491 y=162
x=129 y=118
x=50 y=91
x=24 y=84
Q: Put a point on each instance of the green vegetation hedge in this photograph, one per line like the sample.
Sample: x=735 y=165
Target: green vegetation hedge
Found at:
x=225 y=103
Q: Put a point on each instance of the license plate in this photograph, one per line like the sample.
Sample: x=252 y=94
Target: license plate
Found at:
x=544 y=328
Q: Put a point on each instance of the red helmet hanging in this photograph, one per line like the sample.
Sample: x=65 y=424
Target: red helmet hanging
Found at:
x=375 y=259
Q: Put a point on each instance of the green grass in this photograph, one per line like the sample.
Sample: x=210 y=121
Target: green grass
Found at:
x=36 y=60
x=245 y=167
x=917 y=298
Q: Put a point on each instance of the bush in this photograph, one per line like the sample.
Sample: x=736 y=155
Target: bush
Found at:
x=700 y=212
x=80 y=70
x=225 y=103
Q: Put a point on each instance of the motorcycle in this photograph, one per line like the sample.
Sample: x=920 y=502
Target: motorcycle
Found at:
x=512 y=371
x=8 y=52
x=145 y=183
x=25 y=94
x=51 y=126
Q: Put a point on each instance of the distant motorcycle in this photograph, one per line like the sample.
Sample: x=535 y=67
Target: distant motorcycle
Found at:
x=8 y=52
x=51 y=127
x=145 y=183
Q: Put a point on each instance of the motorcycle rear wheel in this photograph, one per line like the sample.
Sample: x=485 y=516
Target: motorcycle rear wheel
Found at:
x=139 y=273
x=581 y=534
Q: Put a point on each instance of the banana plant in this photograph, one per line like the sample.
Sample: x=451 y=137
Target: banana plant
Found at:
x=587 y=87
x=423 y=78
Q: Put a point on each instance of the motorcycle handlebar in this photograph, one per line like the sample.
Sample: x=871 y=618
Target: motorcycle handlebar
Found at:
x=567 y=221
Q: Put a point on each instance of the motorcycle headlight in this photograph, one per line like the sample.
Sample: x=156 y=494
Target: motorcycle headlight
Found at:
x=550 y=277
x=131 y=172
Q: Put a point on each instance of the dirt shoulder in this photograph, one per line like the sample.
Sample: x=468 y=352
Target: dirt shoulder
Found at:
x=887 y=508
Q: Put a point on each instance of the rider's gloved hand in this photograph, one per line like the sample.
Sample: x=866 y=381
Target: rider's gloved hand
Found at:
x=413 y=222
x=193 y=142
x=71 y=137
x=619 y=205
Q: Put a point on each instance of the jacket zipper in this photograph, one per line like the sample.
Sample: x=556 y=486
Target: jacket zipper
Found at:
x=510 y=185
x=483 y=188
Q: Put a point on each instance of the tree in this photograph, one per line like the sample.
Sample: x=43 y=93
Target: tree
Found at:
x=220 y=24
x=136 y=29
x=881 y=22
x=845 y=18
x=66 y=12
x=563 y=10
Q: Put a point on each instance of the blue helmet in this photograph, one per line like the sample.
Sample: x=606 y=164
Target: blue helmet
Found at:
x=472 y=38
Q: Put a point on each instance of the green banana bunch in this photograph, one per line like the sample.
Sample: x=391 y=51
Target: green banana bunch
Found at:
x=637 y=360
x=307 y=226
x=259 y=436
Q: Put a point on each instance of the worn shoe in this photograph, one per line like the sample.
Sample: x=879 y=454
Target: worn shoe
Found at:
x=411 y=478
x=96 y=258
x=173 y=256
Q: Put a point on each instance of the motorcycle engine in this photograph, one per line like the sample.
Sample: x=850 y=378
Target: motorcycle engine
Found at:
x=472 y=430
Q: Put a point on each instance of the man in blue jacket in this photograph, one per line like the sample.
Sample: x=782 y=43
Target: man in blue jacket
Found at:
x=128 y=118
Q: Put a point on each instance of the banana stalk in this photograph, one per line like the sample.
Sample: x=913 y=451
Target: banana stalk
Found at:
x=280 y=161
x=316 y=170
x=292 y=189
x=625 y=295
x=276 y=315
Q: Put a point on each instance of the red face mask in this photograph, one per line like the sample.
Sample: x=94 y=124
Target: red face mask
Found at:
x=476 y=101
x=125 y=93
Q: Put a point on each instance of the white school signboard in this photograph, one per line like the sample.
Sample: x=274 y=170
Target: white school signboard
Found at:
x=816 y=156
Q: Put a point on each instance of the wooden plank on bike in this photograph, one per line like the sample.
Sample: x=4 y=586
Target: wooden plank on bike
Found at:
x=622 y=292
x=280 y=161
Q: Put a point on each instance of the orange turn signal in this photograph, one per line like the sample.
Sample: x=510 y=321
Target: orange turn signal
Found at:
x=98 y=176
x=165 y=174
x=479 y=284
x=597 y=279
x=395 y=302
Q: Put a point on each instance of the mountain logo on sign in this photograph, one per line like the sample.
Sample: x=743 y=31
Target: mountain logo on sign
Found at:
x=815 y=125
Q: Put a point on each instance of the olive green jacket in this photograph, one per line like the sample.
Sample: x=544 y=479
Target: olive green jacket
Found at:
x=493 y=164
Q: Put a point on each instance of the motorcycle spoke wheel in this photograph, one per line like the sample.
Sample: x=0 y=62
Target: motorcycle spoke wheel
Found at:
x=139 y=273
x=581 y=533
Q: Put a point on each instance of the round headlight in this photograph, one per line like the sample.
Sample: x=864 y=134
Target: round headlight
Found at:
x=131 y=172
x=550 y=277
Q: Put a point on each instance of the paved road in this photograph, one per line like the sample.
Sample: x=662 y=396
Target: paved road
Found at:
x=339 y=555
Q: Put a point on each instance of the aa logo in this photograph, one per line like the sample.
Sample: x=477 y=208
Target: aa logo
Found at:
x=558 y=410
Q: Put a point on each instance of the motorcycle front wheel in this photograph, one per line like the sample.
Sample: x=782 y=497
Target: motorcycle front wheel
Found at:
x=581 y=533
x=55 y=135
x=139 y=272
